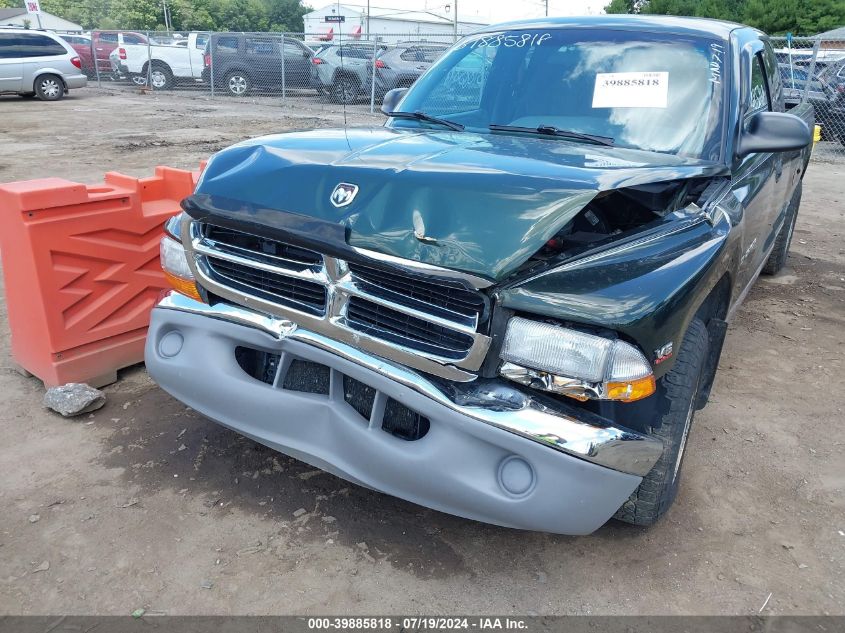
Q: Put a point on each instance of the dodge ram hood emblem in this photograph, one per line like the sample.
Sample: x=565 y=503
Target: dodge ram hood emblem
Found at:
x=343 y=194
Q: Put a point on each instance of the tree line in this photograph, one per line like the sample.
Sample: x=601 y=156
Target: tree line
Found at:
x=184 y=15
x=776 y=17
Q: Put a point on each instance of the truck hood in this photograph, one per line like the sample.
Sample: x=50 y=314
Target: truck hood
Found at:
x=480 y=203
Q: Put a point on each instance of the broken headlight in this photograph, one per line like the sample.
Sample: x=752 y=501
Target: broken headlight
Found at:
x=573 y=363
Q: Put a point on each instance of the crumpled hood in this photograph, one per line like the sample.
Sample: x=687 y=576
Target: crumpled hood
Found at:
x=485 y=203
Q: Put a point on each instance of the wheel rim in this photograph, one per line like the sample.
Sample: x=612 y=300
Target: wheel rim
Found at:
x=347 y=90
x=159 y=79
x=50 y=88
x=139 y=80
x=237 y=84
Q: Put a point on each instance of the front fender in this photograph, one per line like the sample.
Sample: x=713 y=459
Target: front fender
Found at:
x=648 y=289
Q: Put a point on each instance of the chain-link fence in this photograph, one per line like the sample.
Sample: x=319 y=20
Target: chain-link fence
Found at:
x=341 y=69
x=251 y=65
x=813 y=70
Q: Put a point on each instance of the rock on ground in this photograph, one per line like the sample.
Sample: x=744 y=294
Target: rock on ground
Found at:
x=74 y=398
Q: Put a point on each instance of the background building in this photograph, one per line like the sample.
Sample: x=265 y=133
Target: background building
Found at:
x=388 y=25
x=19 y=17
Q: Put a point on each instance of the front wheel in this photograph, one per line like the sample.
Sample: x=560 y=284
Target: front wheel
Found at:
x=161 y=78
x=49 y=88
x=238 y=83
x=345 y=89
x=678 y=392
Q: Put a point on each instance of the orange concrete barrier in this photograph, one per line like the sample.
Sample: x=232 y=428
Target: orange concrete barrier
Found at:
x=81 y=270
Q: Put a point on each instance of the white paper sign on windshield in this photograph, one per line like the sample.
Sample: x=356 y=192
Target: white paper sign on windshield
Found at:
x=631 y=90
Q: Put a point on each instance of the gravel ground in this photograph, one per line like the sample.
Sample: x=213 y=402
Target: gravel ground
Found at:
x=143 y=504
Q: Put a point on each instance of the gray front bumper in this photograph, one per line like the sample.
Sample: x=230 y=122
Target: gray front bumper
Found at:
x=462 y=466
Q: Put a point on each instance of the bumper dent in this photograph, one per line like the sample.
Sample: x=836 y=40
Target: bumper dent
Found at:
x=492 y=453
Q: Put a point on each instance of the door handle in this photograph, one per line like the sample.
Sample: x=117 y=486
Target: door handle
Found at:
x=99 y=49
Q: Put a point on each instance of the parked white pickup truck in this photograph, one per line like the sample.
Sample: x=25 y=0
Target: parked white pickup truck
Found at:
x=181 y=59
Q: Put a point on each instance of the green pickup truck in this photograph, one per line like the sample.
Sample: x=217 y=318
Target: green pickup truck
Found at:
x=508 y=302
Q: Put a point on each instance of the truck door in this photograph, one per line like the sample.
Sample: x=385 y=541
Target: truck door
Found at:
x=297 y=64
x=791 y=162
x=757 y=176
x=196 y=48
x=263 y=55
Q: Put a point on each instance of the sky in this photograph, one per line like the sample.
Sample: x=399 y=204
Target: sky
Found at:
x=487 y=10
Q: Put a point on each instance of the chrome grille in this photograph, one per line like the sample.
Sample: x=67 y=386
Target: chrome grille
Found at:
x=406 y=330
x=421 y=316
x=296 y=293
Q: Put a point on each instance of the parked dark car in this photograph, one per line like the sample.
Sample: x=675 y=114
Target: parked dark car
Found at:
x=400 y=66
x=508 y=302
x=241 y=63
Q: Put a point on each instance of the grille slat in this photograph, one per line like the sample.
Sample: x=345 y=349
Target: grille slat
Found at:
x=406 y=330
x=451 y=298
x=261 y=248
x=271 y=286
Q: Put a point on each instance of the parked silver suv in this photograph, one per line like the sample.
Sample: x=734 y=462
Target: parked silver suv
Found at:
x=38 y=63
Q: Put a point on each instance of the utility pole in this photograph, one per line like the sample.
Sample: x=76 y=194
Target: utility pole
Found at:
x=456 y=20
x=368 y=19
x=547 y=8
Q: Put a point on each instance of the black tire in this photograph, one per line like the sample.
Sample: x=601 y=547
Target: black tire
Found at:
x=678 y=391
x=780 y=251
x=237 y=83
x=49 y=87
x=345 y=89
x=161 y=77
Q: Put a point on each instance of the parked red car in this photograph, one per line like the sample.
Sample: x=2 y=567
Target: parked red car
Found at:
x=100 y=44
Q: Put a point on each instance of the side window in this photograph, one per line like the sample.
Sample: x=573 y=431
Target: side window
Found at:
x=108 y=37
x=202 y=40
x=462 y=88
x=259 y=47
x=131 y=38
x=8 y=46
x=773 y=76
x=34 y=45
x=758 y=94
x=293 y=50
x=413 y=54
x=431 y=55
x=228 y=44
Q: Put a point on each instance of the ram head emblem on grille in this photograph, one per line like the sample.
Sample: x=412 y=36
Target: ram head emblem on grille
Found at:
x=343 y=194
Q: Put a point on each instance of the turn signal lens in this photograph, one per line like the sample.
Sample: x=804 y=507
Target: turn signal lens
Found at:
x=631 y=391
x=186 y=287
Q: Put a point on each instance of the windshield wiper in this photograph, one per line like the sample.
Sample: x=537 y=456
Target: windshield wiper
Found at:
x=422 y=116
x=551 y=130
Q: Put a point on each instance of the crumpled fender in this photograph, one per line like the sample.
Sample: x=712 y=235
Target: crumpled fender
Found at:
x=647 y=288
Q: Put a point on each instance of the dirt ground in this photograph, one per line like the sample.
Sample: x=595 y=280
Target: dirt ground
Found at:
x=146 y=505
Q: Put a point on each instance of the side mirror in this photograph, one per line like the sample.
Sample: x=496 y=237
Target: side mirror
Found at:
x=392 y=99
x=773 y=132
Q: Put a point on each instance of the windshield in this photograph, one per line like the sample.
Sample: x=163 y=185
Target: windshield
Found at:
x=658 y=92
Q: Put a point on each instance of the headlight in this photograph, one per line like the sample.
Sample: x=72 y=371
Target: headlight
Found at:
x=574 y=363
x=173 y=227
x=174 y=263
